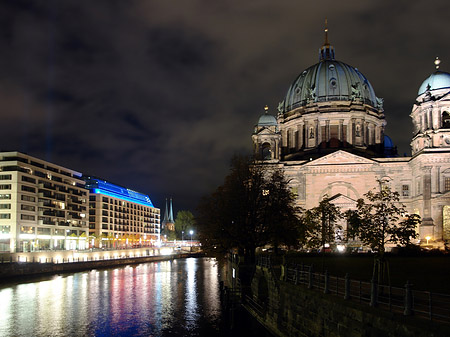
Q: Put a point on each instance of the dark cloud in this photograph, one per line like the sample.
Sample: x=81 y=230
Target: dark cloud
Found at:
x=158 y=95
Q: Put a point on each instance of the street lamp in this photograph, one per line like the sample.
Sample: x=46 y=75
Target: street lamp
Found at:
x=182 y=236
x=428 y=238
x=191 y=232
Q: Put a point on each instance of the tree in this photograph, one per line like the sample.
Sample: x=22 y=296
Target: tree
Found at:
x=184 y=221
x=322 y=224
x=252 y=208
x=283 y=224
x=377 y=222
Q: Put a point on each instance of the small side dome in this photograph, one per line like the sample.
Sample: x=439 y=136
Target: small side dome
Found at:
x=388 y=143
x=437 y=80
x=266 y=119
x=390 y=150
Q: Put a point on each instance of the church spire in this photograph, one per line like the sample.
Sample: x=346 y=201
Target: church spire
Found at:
x=166 y=213
x=171 y=211
x=326 y=52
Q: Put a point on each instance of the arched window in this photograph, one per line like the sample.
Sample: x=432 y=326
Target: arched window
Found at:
x=446 y=120
x=266 y=151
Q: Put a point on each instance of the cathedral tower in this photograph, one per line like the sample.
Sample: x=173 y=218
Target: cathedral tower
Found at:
x=266 y=138
x=431 y=114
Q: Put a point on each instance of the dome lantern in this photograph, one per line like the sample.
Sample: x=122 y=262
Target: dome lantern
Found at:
x=326 y=52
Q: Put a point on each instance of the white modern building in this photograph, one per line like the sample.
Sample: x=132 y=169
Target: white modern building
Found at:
x=328 y=137
x=120 y=217
x=42 y=205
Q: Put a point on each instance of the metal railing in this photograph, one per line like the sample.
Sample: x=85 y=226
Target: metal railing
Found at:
x=405 y=301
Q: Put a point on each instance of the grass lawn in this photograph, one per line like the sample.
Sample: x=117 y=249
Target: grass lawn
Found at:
x=428 y=273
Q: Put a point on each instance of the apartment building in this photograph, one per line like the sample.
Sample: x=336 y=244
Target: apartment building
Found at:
x=42 y=205
x=120 y=217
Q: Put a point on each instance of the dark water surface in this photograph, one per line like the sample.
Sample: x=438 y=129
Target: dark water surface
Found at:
x=169 y=298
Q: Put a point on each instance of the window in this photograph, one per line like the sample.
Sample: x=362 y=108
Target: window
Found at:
x=5 y=206
x=27 y=230
x=40 y=174
x=5 y=229
x=446 y=184
x=5 y=196
x=28 y=198
x=43 y=231
x=27 y=208
x=104 y=199
x=27 y=217
x=28 y=189
x=5 y=177
x=5 y=216
x=5 y=186
x=419 y=190
x=405 y=190
x=446 y=120
x=28 y=179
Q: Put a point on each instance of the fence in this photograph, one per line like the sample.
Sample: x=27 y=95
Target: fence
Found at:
x=406 y=301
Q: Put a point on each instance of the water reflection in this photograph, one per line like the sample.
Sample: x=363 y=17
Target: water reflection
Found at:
x=171 y=298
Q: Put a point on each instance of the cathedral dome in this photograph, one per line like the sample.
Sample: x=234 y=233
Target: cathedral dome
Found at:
x=330 y=80
x=437 y=80
x=267 y=120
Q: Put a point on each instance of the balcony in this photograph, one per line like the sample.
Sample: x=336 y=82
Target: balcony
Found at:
x=76 y=201
x=46 y=194
x=46 y=222
x=63 y=189
x=47 y=203
x=76 y=192
x=47 y=186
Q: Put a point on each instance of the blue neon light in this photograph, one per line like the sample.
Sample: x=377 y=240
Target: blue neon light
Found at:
x=103 y=187
x=119 y=196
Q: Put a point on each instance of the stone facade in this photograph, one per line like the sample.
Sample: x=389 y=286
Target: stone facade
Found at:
x=330 y=142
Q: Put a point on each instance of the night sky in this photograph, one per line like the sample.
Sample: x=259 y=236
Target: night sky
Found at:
x=157 y=96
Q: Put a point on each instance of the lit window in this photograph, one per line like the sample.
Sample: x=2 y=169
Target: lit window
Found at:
x=447 y=184
x=405 y=190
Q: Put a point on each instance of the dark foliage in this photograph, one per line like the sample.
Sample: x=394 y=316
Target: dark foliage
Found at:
x=252 y=208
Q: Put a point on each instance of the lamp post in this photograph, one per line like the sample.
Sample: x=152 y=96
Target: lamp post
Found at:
x=182 y=237
x=191 y=232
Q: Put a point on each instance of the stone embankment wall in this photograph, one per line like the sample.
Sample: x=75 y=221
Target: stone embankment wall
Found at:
x=287 y=309
x=74 y=264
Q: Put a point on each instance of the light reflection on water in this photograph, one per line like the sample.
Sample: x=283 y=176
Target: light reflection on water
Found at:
x=170 y=298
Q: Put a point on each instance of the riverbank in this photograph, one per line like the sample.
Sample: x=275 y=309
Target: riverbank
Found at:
x=44 y=263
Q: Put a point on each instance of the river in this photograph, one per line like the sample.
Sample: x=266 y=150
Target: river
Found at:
x=169 y=298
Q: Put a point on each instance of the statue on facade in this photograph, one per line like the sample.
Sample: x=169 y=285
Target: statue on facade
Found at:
x=356 y=93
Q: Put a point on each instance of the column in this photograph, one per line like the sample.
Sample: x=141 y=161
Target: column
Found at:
x=427 y=226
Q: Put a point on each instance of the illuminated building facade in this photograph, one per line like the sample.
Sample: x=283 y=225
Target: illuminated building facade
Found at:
x=328 y=137
x=42 y=205
x=120 y=217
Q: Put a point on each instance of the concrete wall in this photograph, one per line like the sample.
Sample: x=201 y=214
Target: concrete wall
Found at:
x=293 y=310
x=43 y=264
